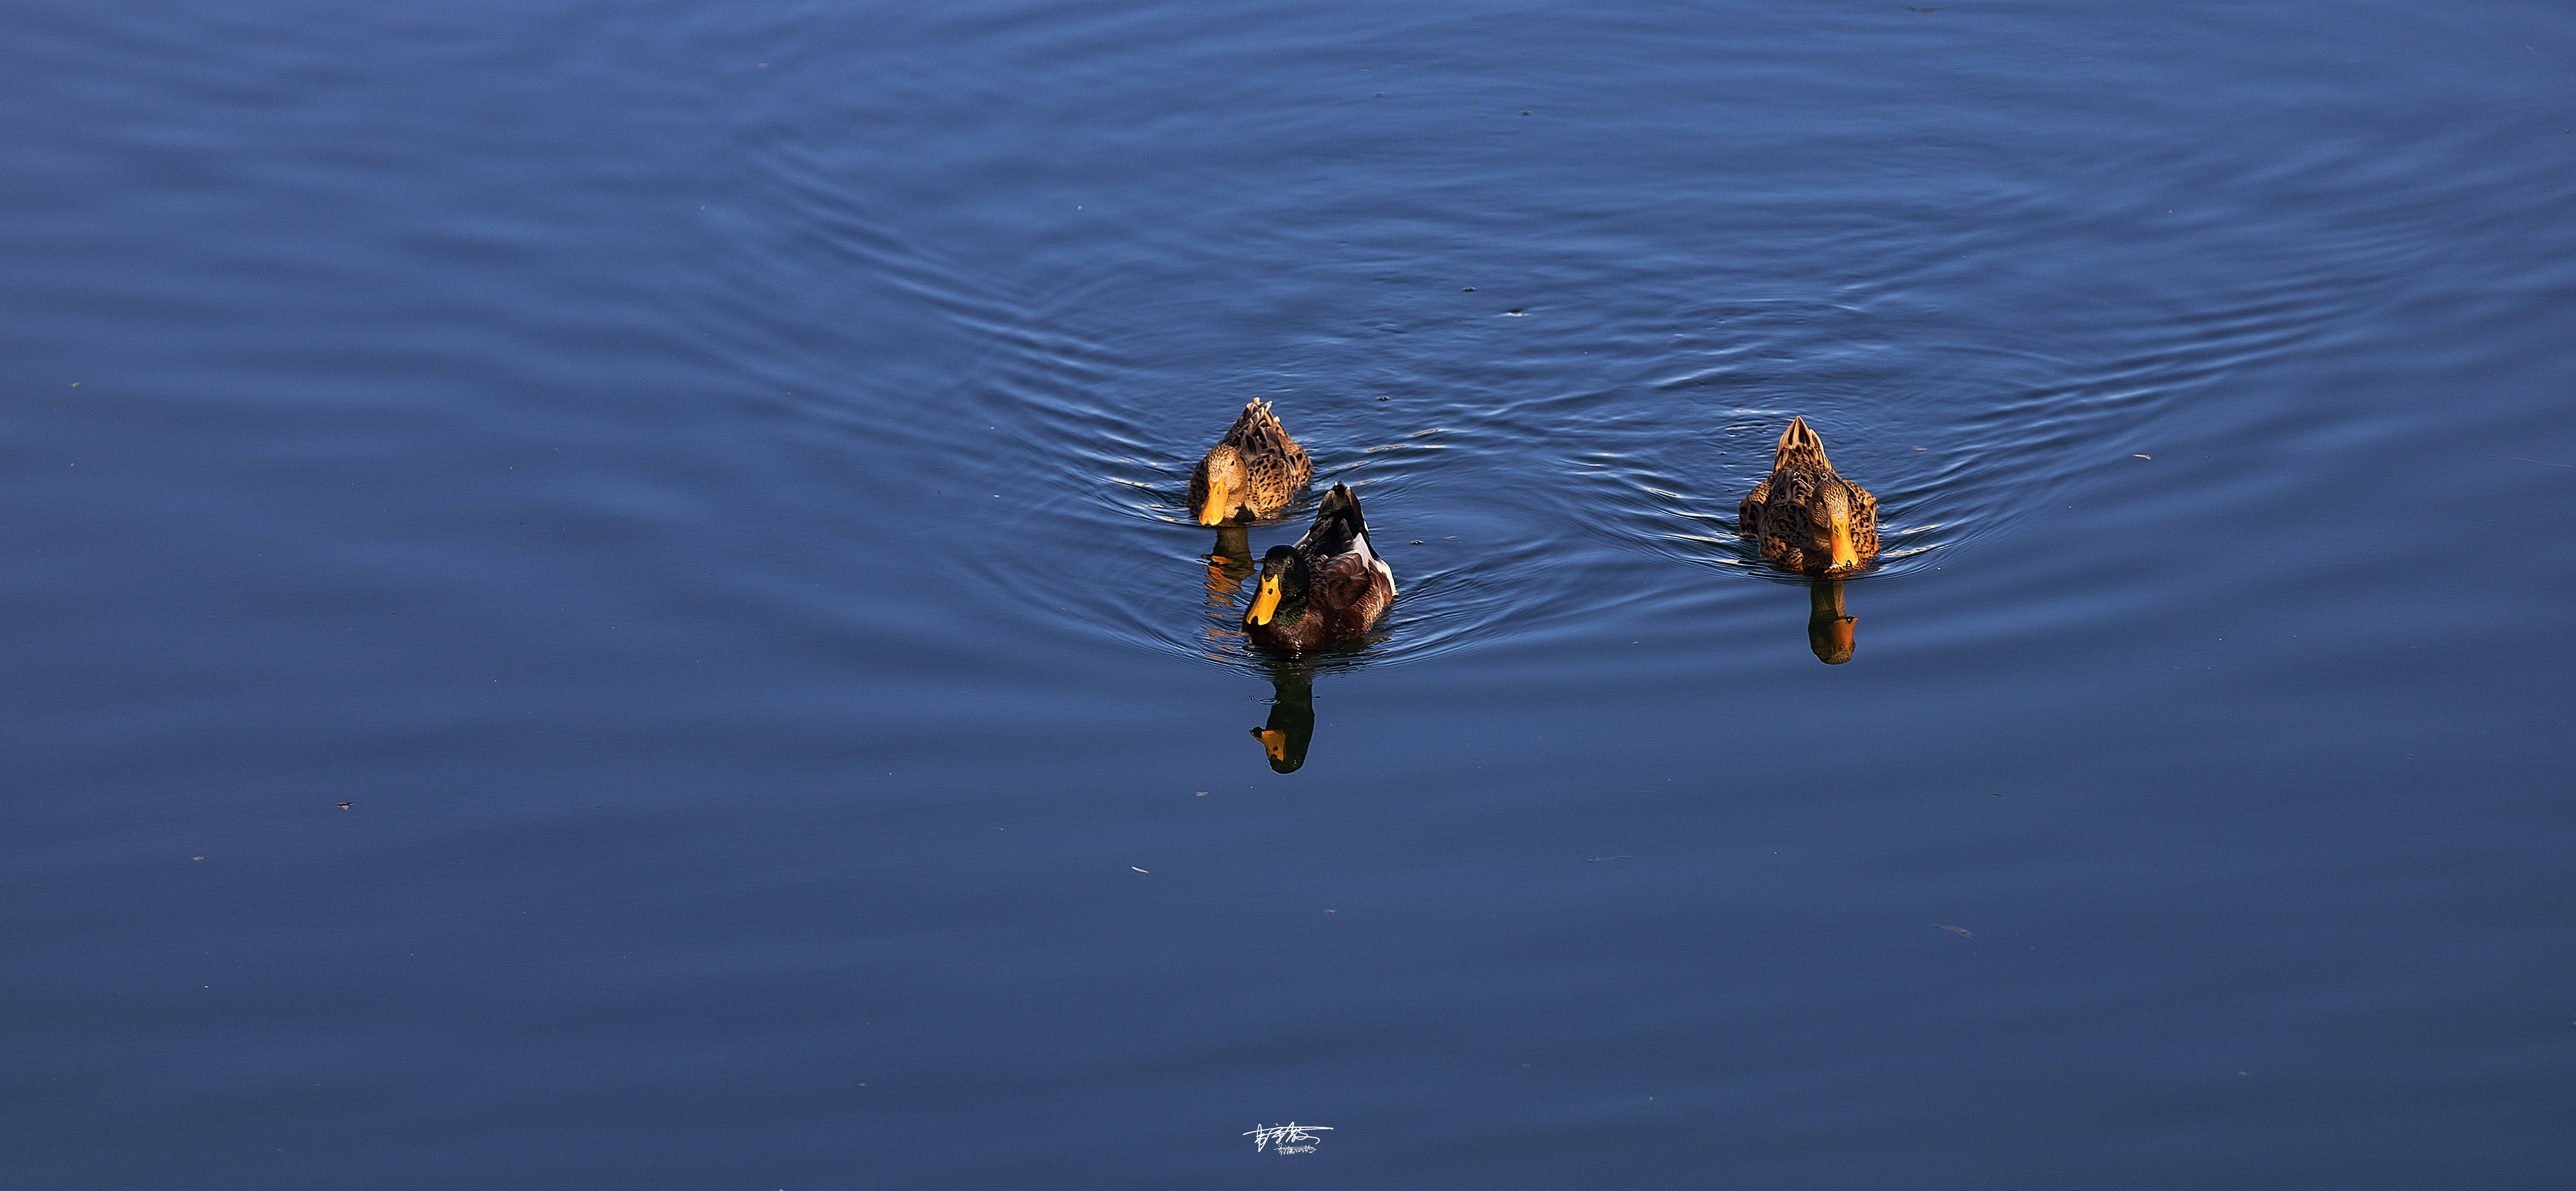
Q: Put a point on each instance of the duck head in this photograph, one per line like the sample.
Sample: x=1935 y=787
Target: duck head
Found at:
x=1832 y=518
x=1228 y=485
x=1282 y=594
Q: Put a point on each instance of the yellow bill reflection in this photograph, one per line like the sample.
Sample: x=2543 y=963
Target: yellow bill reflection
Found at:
x=1829 y=628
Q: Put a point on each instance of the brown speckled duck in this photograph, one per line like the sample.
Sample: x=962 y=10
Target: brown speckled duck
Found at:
x=1806 y=518
x=1253 y=472
x=1325 y=590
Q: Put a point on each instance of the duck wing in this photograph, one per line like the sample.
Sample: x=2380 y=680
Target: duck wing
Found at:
x=1354 y=589
x=1349 y=577
x=1748 y=515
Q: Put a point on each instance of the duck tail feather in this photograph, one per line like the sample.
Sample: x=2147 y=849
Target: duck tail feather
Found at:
x=1338 y=521
x=1800 y=446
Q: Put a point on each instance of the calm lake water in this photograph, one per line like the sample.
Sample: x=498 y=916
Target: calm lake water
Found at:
x=700 y=484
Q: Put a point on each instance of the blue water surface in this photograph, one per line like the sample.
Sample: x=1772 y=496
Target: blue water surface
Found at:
x=703 y=484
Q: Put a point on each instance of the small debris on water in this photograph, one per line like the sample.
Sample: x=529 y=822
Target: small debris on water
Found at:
x=1417 y=541
x=1469 y=290
x=1959 y=931
x=2141 y=456
x=1140 y=870
x=344 y=806
x=1599 y=859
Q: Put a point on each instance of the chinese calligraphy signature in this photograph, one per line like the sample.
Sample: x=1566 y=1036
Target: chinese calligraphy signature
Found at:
x=1285 y=1137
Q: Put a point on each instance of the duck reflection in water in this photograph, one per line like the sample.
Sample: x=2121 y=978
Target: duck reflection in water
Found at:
x=1229 y=563
x=1316 y=599
x=1829 y=628
x=1292 y=682
x=1291 y=726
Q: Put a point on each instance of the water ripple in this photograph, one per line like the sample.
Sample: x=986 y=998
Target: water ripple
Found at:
x=1562 y=402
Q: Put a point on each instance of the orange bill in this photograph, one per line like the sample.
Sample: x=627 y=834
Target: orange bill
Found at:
x=1266 y=604
x=1845 y=554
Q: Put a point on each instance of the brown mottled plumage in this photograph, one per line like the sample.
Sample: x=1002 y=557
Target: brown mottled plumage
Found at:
x=1805 y=517
x=1253 y=472
x=1325 y=590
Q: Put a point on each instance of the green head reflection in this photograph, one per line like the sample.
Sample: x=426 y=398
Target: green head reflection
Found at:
x=1291 y=726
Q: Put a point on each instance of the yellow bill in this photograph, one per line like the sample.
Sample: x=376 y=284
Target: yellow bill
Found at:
x=1845 y=554
x=1273 y=742
x=1266 y=604
x=1216 y=507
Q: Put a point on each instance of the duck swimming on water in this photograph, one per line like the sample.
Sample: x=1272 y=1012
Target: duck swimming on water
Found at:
x=1325 y=590
x=1806 y=518
x=1253 y=472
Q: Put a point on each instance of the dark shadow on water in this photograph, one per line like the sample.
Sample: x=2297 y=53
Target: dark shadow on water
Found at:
x=1829 y=628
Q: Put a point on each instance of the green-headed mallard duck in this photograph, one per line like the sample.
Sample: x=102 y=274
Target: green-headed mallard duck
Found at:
x=1253 y=472
x=1325 y=590
x=1806 y=517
